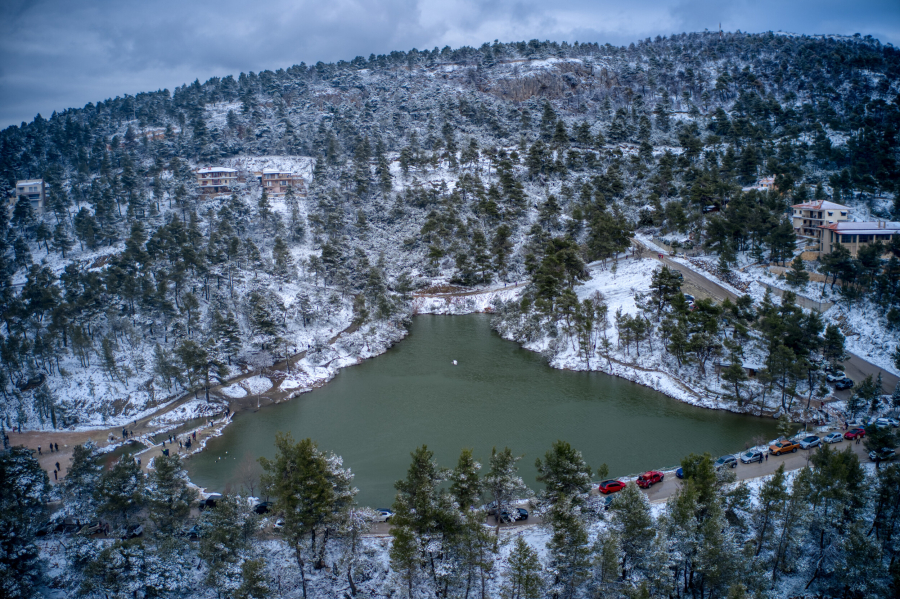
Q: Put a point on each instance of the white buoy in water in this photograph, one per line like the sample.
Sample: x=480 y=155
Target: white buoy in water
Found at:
x=454 y=362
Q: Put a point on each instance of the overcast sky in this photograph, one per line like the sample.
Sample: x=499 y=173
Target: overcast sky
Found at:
x=56 y=54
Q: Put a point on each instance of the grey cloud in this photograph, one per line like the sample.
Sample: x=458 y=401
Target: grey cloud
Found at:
x=56 y=54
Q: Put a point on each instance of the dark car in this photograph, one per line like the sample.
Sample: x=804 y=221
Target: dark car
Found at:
x=726 y=460
x=844 y=383
x=884 y=454
x=209 y=501
x=192 y=533
x=680 y=472
x=514 y=516
x=611 y=486
x=606 y=502
x=262 y=508
x=648 y=479
x=855 y=433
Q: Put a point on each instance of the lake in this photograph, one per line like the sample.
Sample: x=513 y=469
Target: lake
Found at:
x=375 y=413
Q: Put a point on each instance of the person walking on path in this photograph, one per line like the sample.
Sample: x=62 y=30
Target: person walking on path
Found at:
x=57 y=465
x=767 y=457
x=57 y=446
x=54 y=476
x=39 y=450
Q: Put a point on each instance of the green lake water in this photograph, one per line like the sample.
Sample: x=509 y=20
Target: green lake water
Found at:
x=374 y=414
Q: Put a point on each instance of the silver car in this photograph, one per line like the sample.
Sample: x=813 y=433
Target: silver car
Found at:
x=809 y=442
x=833 y=438
x=748 y=457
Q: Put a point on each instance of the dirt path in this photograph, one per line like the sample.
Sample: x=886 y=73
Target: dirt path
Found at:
x=141 y=430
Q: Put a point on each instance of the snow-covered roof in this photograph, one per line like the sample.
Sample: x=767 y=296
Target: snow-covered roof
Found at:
x=29 y=182
x=216 y=169
x=275 y=171
x=820 y=205
x=865 y=228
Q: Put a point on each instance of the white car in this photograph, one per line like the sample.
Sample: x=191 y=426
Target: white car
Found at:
x=383 y=515
x=809 y=442
x=894 y=422
x=833 y=438
x=279 y=524
x=882 y=423
x=835 y=377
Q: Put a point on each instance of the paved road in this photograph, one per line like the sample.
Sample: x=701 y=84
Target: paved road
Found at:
x=855 y=367
x=791 y=461
x=858 y=369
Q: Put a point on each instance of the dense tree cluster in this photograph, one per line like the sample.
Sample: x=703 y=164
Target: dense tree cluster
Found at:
x=827 y=528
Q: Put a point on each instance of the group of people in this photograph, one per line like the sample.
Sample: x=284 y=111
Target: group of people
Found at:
x=54 y=447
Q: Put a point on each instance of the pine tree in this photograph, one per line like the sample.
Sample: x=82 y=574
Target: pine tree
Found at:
x=568 y=548
x=23 y=493
x=169 y=496
x=503 y=482
x=62 y=242
x=225 y=535
x=120 y=491
x=465 y=484
x=80 y=481
x=524 y=578
x=564 y=473
x=797 y=275
x=283 y=261
x=634 y=526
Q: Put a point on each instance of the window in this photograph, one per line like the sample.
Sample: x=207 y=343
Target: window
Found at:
x=843 y=214
x=831 y=214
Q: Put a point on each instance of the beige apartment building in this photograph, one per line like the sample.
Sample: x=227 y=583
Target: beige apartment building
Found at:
x=214 y=180
x=855 y=235
x=276 y=182
x=810 y=217
x=35 y=191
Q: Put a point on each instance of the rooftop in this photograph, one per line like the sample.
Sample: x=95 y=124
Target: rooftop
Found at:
x=864 y=228
x=216 y=169
x=29 y=182
x=820 y=205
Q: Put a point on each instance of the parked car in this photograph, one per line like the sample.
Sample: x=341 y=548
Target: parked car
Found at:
x=191 y=533
x=648 y=479
x=133 y=531
x=262 y=508
x=680 y=472
x=689 y=298
x=835 y=377
x=611 y=486
x=514 y=515
x=726 y=460
x=753 y=455
x=855 y=433
x=783 y=447
x=91 y=528
x=210 y=501
x=833 y=438
x=844 y=383
x=605 y=502
x=279 y=524
x=66 y=527
x=810 y=441
x=383 y=515
x=894 y=422
x=881 y=423
x=883 y=455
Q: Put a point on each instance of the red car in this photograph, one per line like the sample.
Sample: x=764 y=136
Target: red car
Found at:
x=648 y=479
x=855 y=433
x=611 y=486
